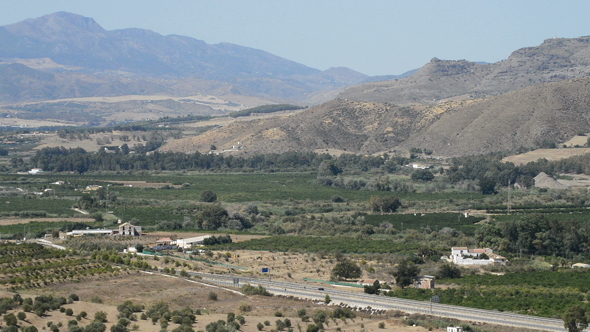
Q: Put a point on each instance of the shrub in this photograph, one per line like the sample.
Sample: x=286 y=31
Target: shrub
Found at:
x=245 y=307
x=252 y=290
x=212 y=296
x=208 y=196
x=95 y=299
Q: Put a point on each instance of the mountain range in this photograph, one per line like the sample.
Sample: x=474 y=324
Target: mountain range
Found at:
x=453 y=107
x=79 y=45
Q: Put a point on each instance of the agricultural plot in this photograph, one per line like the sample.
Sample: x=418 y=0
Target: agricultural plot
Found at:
x=537 y=293
x=18 y=206
x=37 y=229
x=31 y=266
x=325 y=244
x=574 y=279
x=434 y=221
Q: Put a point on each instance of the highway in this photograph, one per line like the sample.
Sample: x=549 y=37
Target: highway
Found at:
x=376 y=302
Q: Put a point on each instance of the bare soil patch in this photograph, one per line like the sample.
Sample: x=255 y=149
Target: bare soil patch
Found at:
x=549 y=154
x=145 y=184
x=12 y=221
x=234 y=237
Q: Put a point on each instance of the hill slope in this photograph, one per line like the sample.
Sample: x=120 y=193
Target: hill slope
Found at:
x=552 y=111
x=555 y=60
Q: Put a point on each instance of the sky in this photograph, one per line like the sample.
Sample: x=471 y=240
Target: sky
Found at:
x=374 y=37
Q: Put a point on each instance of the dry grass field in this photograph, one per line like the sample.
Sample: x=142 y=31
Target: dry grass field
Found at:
x=549 y=154
x=148 y=289
x=12 y=221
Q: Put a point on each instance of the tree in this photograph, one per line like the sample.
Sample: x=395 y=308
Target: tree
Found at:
x=487 y=185
x=373 y=289
x=575 y=319
x=449 y=271
x=327 y=299
x=139 y=247
x=208 y=196
x=346 y=270
x=10 y=319
x=422 y=175
x=100 y=316
x=385 y=204
x=406 y=273
x=328 y=168
x=21 y=316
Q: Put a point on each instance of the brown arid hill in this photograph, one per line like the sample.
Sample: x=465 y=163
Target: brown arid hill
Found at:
x=556 y=59
x=552 y=112
x=356 y=127
x=547 y=112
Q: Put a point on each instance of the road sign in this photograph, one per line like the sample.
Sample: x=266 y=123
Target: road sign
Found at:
x=265 y=270
x=435 y=299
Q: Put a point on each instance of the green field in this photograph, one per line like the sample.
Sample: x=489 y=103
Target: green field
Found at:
x=435 y=221
x=230 y=187
x=326 y=244
x=54 y=207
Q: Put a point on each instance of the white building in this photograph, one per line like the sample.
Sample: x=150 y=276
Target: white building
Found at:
x=35 y=171
x=466 y=256
x=128 y=229
x=192 y=241
x=81 y=232
x=454 y=329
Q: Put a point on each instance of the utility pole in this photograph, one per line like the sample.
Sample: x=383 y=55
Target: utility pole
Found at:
x=509 y=200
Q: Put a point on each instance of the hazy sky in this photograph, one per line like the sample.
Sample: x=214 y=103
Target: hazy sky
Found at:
x=373 y=37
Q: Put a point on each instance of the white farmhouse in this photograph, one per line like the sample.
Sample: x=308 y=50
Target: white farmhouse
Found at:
x=466 y=256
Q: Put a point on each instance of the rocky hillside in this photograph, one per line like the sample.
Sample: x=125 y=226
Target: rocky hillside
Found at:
x=552 y=112
x=555 y=60
x=356 y=127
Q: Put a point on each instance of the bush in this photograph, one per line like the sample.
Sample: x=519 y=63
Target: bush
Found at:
x=245 y=307
x=252 y=290
x=95 y=299
x=100 y=316
x=212 y=296
x=208 y=196
x=337 y=199
x=422 y=175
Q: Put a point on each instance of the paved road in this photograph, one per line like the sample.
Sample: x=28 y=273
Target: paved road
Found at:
x=354 y=299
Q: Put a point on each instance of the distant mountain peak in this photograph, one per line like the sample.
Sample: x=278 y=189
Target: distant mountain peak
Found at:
x=56 y=26
x=76 y=41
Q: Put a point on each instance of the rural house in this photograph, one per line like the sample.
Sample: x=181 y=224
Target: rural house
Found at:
x=130 y=230
x=425 y=281
x=466 y=256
